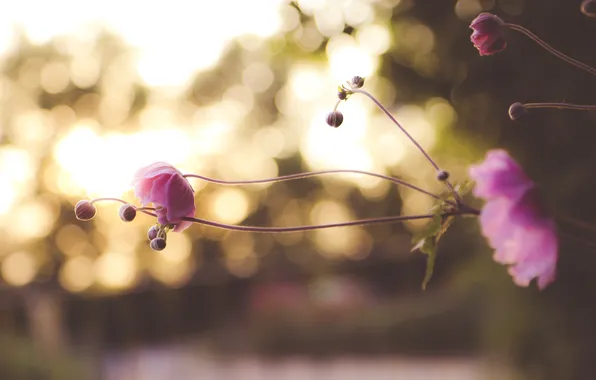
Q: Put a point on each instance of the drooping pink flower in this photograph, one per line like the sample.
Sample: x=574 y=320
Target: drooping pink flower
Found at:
x=488 y=34
x=515 y=221
x=499 y=176
x=170 y=192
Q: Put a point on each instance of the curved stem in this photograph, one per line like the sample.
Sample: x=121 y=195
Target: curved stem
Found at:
x=92 y=201
x=394 y=120
x=336 y=105
x=581 y=241
x=144 y=210
x=576 y=223
x=361 y=222
x=312 y=174
x=420 y=148
x=551 y=49
x=578 y=107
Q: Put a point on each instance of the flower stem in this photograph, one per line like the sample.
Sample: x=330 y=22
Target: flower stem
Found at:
x=551 y=49
x=413 y=140
x=361 y=222
x=313 y=174
x=144 y=210
x=578 y=107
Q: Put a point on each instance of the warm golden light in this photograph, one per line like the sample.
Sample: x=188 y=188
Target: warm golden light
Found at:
x=115 y=270
x=77 y=274
x=19 y=268
x=229 y=205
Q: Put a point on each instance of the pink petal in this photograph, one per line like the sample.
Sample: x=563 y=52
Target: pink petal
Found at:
x=180 y=199
x=494 y=221
x=537 y=255
x=154 y=170
x=499 y=176
x=144 y=177
x=142 y=190
x=159 y=194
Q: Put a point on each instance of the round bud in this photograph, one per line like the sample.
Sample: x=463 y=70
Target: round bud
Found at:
x=158 y=244
x=342 y=95
x=357 y=82
x=588 y=8
x=128 y=212
x=153 y=232
x=84 y=210
x=335 y=119
x=517 y=111
x=442 y=175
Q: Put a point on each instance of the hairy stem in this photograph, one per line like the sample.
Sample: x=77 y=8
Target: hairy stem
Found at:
x=578 y=107
x=361 y=222
x=551 y=49
x=313 y=174
x=413 y=140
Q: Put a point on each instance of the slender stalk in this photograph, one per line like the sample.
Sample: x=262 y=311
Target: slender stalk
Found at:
x=577 y=223
x=581 y=241
x=551 y=49
x=108 y=199
x=361 y=222
x=420 y=148
x=394 y=120
x=313 y=174
x=144 y=210
x=578 y=107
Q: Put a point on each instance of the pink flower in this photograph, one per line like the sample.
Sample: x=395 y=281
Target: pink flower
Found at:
x=171 y=194
x=488 y=36
x=514 y=220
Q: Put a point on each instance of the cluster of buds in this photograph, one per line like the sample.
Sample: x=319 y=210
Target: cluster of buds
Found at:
x=85 y=210
x=168 y=190
x=336 y=118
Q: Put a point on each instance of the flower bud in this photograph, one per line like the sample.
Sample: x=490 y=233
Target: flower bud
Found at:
x=517 y=111
x=335 y=119
x=84 y=210
x=128 y=212
x=342 y=94
x=442 y=175
x=588 y=8
x=153 y=232
x=158 y=244
x=488 y=34
x=357 y=82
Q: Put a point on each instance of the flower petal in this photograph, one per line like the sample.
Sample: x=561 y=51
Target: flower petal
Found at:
x=515 y=220
x=499 y=176
x=180 y=200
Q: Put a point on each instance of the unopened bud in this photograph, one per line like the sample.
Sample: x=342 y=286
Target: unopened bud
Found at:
x=128 y=212
x=84 y=210
x=342 y=94
x=442 y=175
x=517 y=111
x=335 y=119
x=158 y=244
x=153 y=232
x=588 y=8
x=357 y=82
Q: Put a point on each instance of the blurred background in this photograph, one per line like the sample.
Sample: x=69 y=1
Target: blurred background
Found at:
x=91 y=91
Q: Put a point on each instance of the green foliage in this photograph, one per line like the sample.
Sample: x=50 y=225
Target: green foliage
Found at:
x=427 y=241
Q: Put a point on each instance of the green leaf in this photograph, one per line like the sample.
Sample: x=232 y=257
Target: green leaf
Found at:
x=427 y=241
x=431 y=251
x=427 y=246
